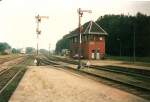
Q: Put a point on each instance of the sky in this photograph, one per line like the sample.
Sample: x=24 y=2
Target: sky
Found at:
x=18 y=23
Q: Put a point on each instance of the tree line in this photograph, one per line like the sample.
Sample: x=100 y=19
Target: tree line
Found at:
x=62 y=44
x=127 y=34
x=5 y=48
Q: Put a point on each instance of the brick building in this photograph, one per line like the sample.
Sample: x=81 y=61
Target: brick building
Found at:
x=93 y=41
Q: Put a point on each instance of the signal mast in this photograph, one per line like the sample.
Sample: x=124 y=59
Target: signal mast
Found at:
x=38 y=31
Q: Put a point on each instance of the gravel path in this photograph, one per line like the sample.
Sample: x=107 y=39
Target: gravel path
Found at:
x=48 y=84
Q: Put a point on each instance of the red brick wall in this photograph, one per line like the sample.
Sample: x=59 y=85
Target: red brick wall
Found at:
x=100 y=45
x=87 y=48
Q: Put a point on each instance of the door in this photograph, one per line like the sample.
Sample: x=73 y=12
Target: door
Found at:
x=97 y=55
x=93 y=54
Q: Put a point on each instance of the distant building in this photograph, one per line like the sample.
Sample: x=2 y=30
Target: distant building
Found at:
x=93 y=41
x=7 y=51
x=65 y=52
x=23 y=51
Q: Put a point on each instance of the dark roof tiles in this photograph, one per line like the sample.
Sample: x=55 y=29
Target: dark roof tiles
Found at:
x=88 y=28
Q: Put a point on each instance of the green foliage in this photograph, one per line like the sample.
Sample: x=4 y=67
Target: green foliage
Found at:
x=29 y=50
x=123 y=27
x=14 y=50
x=62 y=44
x=4 y=46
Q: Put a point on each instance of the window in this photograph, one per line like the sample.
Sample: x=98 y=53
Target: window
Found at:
x=100 y=38
x=84 y=38
x=75 y=40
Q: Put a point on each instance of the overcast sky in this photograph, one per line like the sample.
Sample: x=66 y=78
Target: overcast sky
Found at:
x=18 y=24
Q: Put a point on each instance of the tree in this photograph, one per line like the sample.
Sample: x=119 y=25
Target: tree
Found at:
x=14 y=50
x=124 y=27
x=4 y=46
x=29 y=50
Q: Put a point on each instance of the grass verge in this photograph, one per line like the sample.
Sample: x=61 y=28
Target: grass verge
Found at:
x=131 y=59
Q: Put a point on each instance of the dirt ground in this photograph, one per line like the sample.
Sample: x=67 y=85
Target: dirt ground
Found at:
x=48 y=84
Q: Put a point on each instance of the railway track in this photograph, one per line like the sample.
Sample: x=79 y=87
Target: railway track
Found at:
x=7 y=75
x=127 y=71
x=3 y=60
x=9 y=62
x=135 y=83
x=123 y=70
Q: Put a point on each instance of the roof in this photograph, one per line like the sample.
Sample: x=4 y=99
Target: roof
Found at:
x=88 y=28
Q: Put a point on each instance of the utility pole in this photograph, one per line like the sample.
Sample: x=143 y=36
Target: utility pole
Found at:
x=80 y=12
x=119 y=46
x=49 y=49
x=134 y=45
x=38 y=31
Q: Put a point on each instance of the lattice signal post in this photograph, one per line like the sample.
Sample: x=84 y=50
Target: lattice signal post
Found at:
x=80 y=12
x=38 y=31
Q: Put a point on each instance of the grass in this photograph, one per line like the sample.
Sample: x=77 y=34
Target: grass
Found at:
x=9 y=57
x=125 y=58
x=6 y=94
x=139 y=61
